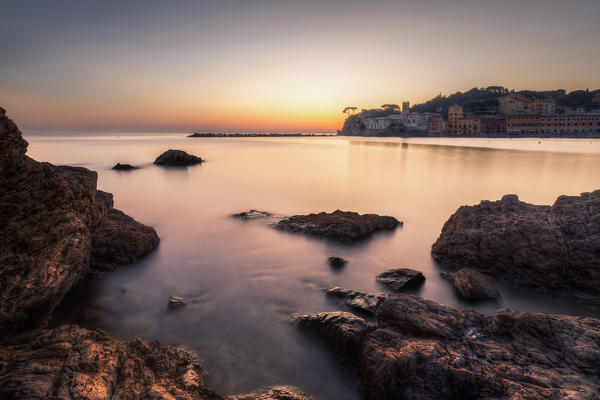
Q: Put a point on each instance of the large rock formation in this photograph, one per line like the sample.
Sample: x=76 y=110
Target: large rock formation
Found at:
x=423 y=350
x=343 y=226
x=52 y=219
x=555 y=248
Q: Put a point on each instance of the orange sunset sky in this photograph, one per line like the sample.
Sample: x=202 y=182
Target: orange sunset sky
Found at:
x=174 y=66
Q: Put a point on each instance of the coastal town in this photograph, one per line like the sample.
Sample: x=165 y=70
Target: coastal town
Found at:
x=512 y=114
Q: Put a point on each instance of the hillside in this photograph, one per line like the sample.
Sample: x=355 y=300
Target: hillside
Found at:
x=481 y=99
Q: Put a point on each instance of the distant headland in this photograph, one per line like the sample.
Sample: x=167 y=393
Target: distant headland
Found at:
x=493 y=111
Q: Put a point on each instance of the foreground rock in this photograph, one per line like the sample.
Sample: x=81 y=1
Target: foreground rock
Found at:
x=472 y=285
x=342 y=331
x=177 y=158
x=343 y=226
x=423 y=350
x=75 y=363
x=118 y=239
x=123 y=167
x=401 y=279
x=337 y=262
x=364 y=303
x=274 y=393
x=555 y=248
x=52 y=221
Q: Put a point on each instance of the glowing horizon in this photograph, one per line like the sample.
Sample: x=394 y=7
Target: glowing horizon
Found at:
x=286 y=67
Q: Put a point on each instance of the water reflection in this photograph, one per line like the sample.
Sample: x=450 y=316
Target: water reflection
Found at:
x=243 y=280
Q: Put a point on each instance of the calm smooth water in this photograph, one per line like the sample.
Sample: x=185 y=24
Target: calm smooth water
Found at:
x=243 y=280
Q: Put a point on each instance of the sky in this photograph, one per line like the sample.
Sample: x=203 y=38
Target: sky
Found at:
x=275 y=66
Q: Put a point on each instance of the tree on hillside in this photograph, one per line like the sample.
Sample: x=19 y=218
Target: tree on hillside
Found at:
x=350 y=111
x=391 y=107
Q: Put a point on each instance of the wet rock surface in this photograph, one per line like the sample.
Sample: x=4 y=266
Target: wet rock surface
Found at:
x=472 y=285
x=342 y=331
x=176 y=302
x=118 y=239
x=423 y=350
x=400 y=279
x=75 y=363
x=273 y=393
x=337 y=262
x=123 y=167
x=177 y=158
x=343 y=226
x=361 y=302
x=555 y=248
x=253 y=214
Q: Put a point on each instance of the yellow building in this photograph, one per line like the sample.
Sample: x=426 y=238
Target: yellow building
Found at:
x=455 y=114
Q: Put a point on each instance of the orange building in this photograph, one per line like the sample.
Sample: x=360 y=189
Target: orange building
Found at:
x=570 y=123
x=523 y=122
x=493 y=124
x=455 y=114
x=435 y=123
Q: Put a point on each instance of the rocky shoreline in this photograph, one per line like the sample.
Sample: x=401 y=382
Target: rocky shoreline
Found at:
x=55 y=229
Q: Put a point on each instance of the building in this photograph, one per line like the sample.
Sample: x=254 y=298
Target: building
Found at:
x=491 y=124
x=543 y=107
x=519 y=122
x=511 y=103
x=455 y=113
x=435 y=123
x=405 y=109
x=571 y=123
x=417 y=121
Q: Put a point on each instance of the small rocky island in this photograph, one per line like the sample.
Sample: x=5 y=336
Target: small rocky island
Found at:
x=123 y=167
x=342 y=226
x=553 y=248
x=177 y=158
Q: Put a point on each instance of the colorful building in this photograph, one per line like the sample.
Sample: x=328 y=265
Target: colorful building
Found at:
x=571 y=123
x=455 y=114
x=491 y=124
x=522 y=122
x=435 y=123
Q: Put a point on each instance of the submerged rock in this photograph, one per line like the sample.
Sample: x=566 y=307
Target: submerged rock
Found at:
x=337 y=262
x=75 y=363
x=273 y=393
x=47 y=224
x=400 y=279
x=362 y=302
x=178 y=158
x=176 y=302
x=253 y=214
x=556 y=248
x=423 y=350
x=123 y=167
x=472 y=285
x=344 y=226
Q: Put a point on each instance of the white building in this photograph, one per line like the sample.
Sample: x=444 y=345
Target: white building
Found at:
x=411 y=120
